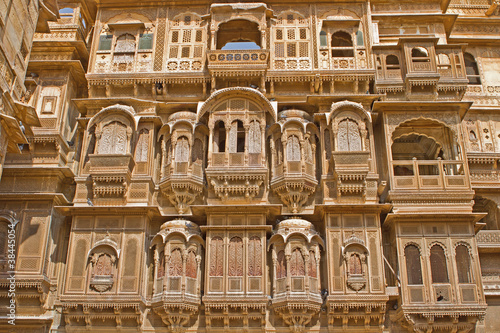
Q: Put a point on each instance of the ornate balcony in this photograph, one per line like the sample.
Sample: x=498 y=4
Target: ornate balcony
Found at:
x=252 y=62
x=110 y=174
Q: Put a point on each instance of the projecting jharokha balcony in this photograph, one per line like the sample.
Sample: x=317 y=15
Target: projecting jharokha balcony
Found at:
x=429 y=175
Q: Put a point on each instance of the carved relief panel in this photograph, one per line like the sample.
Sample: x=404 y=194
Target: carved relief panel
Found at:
x=236 y=258
x=96 y=258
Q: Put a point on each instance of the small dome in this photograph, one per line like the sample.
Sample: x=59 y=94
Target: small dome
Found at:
x=295 y=223
x=294 y=113
x=181 y=224
x=182 y=115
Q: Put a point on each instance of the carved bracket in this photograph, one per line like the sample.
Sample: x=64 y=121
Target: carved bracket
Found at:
x=294 y=194
x=237 y=187
x=181 y=195
x=298 y=316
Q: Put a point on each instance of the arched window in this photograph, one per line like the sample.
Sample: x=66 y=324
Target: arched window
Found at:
x=161 y=266
x=323 y=39
x=359 y=38
x=175 y=263
x=392 y=61
x=342 y=45
x=471 y=69
x=103 y=266
x=439 y=269
x=191 y=265
x=313 y=272
x=328 y=145
x=349 y=138
x=254 y=256
x=235 y=259
x=219 y=137
x=413 y=266
x=182 y=150
x=293 y=149
x=355 y=265
x=141 y=149
x=281 y=265
x=197 y=155
x=279 y=151
x=292 y=38
x=113 y=139
x=297 y=267
x=216 y=256
x=419 y=52
x=186 y=41
x=168 y=146
x=308 y=151
x=462 y=258
x=237 y=137
x=125 y=44
x=254 y=138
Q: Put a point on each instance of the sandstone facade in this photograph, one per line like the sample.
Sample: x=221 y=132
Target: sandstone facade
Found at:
x=279 y=166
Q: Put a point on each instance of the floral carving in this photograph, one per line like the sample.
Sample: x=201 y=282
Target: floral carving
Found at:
x=297 y=267
x=235 y=256
x=175 y=263
x=191 y=266
x=254 y=256
x=216 y=256
x=281 y=265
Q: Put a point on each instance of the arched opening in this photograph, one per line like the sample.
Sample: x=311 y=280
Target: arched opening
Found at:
x=281 y=265
x=235 y=254
x=462 y=258
x=297 y=267
x=355 y=266
x=439 y=268
x=471 y=69
x=348 y=136
x=413 y=265
x=427 y=148
x=392 y=61
x=323 y=39
x=219 y=137
x=237 y=137
x=238 y=35
x=420 y=54
x=175 y=263
x=485 y=205
x=342 y=45
x=293 y=149
x=279 y=151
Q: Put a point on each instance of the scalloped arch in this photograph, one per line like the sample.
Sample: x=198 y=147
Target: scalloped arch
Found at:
x=239 y=92
x=120 y=110
x=338 y=107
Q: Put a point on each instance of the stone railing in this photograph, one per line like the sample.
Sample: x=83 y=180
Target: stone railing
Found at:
x=488 y=238
x=238 y=59
x=429 y=174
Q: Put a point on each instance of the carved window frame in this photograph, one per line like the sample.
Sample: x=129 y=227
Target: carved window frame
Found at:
x=291 y=35
x=103 y=283
x=187 y=37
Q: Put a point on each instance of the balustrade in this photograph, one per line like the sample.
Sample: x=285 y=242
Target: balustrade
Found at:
x=429 y=174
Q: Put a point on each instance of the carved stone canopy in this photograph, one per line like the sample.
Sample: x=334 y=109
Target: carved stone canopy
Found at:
x=179 y=226
x=287 y=228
